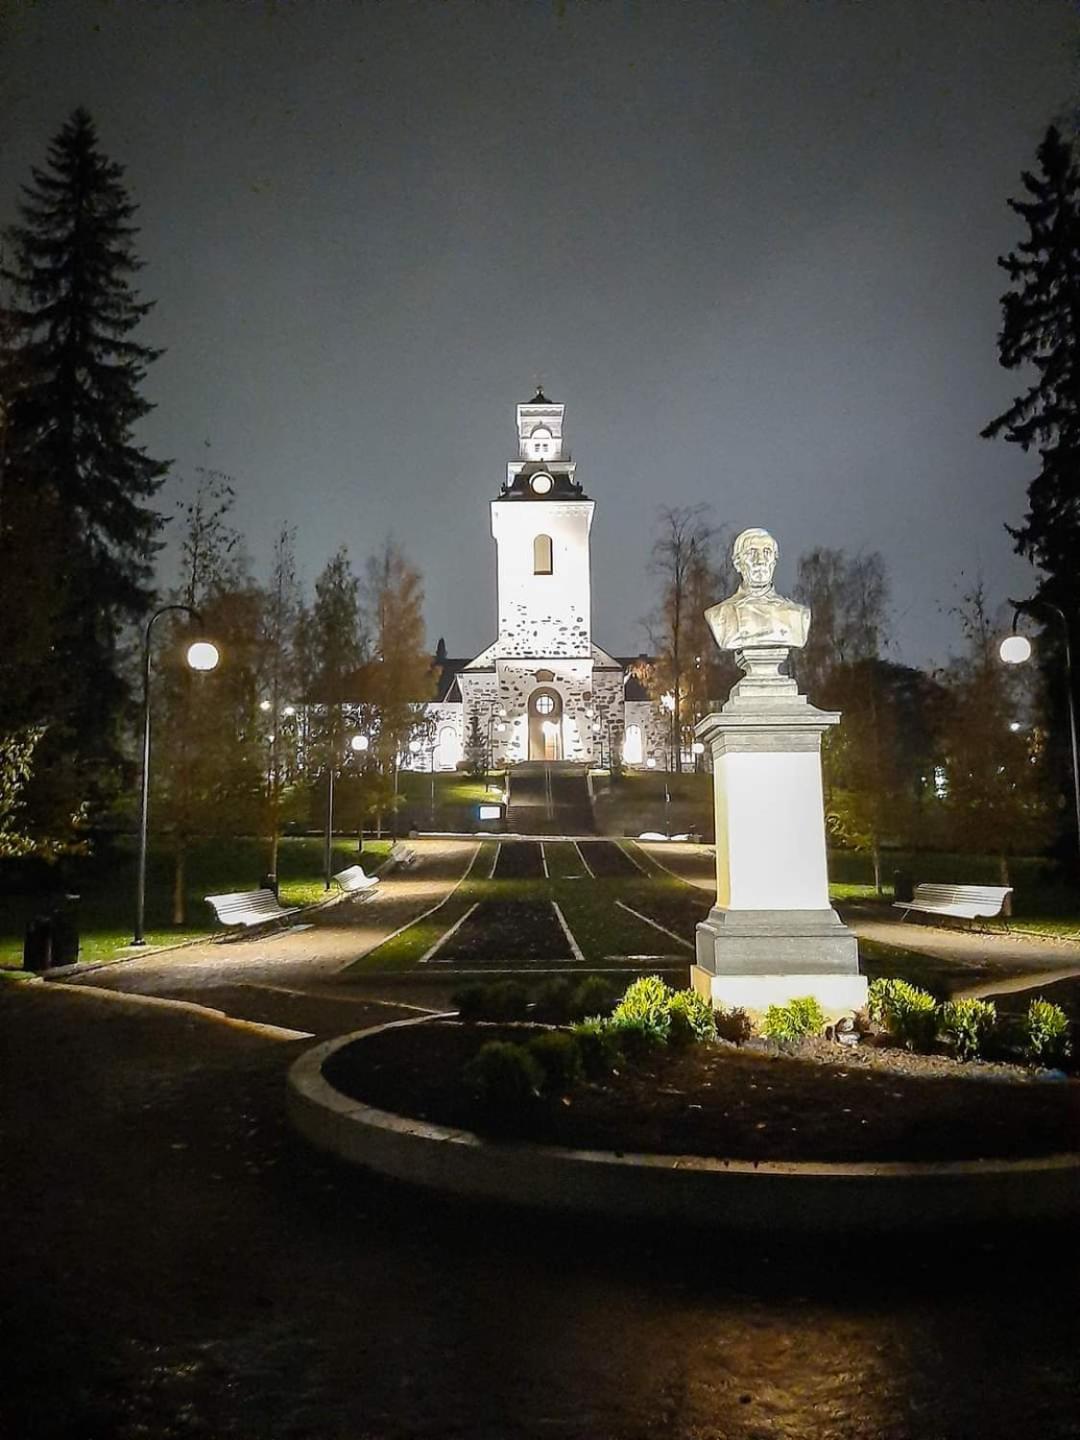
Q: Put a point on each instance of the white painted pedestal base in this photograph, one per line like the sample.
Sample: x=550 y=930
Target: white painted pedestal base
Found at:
x=837 y=995
x=772 y=935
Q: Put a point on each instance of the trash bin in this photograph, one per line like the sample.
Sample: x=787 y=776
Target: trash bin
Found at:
x=903 y=885
x=269 y=882
x=38 y=943
x=65 y=931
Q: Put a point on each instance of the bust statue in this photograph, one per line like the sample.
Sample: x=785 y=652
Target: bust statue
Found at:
x=756 y=614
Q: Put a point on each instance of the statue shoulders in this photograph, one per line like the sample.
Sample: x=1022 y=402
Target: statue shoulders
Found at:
x=747 y=619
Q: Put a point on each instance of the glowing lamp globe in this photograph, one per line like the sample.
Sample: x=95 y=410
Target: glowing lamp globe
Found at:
x=414 y=747
x=697 y=748
x=1015 y=649
x=359 y=743
x=203 y=655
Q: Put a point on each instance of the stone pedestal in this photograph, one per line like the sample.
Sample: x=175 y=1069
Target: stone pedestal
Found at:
x=772 y=934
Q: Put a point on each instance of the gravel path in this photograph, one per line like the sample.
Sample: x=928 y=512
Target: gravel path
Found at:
x=307 y=957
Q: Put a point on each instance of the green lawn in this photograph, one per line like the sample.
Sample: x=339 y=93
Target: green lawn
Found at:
x=456 y=797
x=106 y=883
x=404 y=950
x=634 y=803
x=600 y=927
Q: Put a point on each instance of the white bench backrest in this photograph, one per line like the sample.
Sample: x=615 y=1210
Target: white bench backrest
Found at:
x=962 y=894
x=242 y=907
x=354 y=878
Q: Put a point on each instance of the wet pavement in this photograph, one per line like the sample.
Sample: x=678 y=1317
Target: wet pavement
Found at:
x=178 y=1264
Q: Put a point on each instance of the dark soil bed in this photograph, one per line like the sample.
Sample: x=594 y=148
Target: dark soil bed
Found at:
x=505 y=933
x=737 y=1104
x=680 y=913
x=519 y=860
x=606 y=859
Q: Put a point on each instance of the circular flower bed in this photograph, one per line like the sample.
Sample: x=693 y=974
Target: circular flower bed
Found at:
x=796 y=1100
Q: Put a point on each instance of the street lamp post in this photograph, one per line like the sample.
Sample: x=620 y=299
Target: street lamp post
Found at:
x=201 y=655
x=1015 y=649
x=358 y=744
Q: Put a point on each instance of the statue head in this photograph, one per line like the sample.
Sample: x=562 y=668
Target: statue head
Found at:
x=754 y=556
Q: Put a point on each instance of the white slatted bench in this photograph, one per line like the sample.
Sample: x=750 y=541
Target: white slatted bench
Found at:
x=402 y=855
x=354 y=882
x=249 y=907
x=966 y=902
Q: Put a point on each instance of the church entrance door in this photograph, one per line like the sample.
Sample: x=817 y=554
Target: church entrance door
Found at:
x=545 y=725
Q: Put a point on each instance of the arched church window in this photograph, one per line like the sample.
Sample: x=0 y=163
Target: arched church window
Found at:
x=538 y=444
x=545 y=704
x=632 y=745
x=542 y=557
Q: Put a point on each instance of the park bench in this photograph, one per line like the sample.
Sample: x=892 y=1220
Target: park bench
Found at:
x=402 y=855
x=966 y=902
x=354 y=882
x=249 y=907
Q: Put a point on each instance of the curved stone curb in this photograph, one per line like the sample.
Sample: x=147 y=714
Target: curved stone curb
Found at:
x=737 y=1194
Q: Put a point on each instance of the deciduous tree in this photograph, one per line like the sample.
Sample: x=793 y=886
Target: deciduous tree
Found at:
x=684 y=567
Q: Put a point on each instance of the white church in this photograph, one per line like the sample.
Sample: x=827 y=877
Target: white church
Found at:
x=543 y=690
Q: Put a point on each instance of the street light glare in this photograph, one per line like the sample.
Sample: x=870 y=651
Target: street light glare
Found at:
x=203 y=655
x=359 y=743
x=1015 y=649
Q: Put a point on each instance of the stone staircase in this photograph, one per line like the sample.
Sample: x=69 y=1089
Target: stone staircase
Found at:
x=548 y=797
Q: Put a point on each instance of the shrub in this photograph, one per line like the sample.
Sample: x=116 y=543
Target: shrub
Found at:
x=798 y=1019
x=598 y=1047
x=968 y=1025
x=554 y=1000
x=909 y=1014
x=733 y=1025
x=1045 y=1034
x=559 y=1058
x=646 y=1001
x=503 y=1078
x=635 y=1037
x=507 y=1000
x=472 y=1002
x=594 y=996
x=691 y=1018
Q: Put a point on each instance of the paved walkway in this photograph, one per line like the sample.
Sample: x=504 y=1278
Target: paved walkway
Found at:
x=177 y=1264
x=293 y=977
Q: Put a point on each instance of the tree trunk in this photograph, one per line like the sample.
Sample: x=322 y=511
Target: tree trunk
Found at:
x=875 y=851
x=1003 y=873
x=179 y=913
x=273 y=848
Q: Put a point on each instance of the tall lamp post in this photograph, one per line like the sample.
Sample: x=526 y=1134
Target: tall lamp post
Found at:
x=1015 y=649
x=358 y=744
x=200 y=655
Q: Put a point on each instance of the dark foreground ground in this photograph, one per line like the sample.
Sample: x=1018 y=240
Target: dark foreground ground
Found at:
x=176 y=1264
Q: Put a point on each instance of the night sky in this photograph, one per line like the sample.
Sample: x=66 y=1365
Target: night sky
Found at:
x=751 y=246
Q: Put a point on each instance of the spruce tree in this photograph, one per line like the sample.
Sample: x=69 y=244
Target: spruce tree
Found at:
x=77 y=488
x=1041 y=332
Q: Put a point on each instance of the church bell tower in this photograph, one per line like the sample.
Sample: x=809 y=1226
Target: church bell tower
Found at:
x=541 y=522
x=541 y=700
